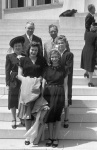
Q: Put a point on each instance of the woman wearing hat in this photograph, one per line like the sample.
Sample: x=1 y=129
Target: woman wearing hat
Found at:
x=11 y=70
x=88 y=53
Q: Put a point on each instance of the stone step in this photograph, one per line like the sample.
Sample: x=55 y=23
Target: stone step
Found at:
x=72 y=42
x=72 y=22
x=2 y=70
x=77 y=101
x=18 y=144
x=77 y=115
x=73 y=46
x=82 y=115
x=77 y=80
x=76 y=52
x=7 y=38
x=83 y=101
x=82 y=131
x=82 y=90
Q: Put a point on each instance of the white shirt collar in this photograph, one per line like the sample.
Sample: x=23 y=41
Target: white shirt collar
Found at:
x=29 y=38
x=62 y=52
x=92 y=14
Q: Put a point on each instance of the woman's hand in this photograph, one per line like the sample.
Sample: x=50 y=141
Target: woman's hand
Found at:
x=7 y=87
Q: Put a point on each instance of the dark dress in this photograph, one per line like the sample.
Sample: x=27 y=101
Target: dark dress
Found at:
x=31 y=70
x=54 y=93
x=88 y=52
x=88 y=21
x=11 y=70
x=67 y=63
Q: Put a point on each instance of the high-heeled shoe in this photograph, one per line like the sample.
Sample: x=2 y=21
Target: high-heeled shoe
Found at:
x=49 y=142
x=14 y=124
x=55 y=143
x=86 y=75
x=66 y=123
x=27 y=142
x=90 y=84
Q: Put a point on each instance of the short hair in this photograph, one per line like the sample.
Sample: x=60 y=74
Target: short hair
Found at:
x=33 y=44
x=62 y=38
x=31 y=23
x=54 y=51
x=54 y=26
x=90 y=6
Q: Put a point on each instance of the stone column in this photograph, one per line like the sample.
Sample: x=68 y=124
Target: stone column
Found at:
x=3 y=6
x=0 y=9
x=29 y=2
x=35 y=2
x=9 y=3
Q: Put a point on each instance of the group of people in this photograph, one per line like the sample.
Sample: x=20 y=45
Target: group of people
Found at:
x=89 y=52
x=39 y=83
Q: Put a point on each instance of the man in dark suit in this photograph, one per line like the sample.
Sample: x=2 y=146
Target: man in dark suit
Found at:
x=67 y=63
x=90 y=17
x=30 y=37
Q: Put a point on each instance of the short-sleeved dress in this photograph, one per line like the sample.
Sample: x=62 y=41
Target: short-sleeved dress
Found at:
x=54 y=92
x=31 y=70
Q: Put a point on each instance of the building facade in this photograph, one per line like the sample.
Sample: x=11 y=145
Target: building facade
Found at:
x=16 y=8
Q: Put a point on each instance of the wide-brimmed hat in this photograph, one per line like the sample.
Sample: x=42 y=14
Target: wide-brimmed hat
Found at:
x=18 y=39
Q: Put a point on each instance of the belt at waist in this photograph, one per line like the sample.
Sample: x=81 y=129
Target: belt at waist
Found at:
x=54 y=85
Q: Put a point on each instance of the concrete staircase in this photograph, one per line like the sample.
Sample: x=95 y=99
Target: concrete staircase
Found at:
x=83 y=112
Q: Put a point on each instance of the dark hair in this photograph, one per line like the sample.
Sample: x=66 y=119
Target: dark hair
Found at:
x=33 y=44
x=62 y=38
x=54 y=51
x=90 y=6
x=52 y=25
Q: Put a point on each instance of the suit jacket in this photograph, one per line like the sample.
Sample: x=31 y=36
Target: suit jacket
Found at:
x=11 y=68
x=67 y=64
x=88 y=21
x=47 y=48
x=34 y=39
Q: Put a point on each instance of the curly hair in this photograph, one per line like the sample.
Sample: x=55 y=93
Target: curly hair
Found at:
x=90 y=6
x=33 y=44
x=54 y=51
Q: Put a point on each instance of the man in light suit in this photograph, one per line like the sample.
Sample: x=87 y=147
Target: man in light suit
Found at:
x=30 y=37
x=50 y=44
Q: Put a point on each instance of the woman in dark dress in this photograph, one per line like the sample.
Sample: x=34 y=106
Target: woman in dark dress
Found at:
x=11 y=70
x=88 y=53
x=31 y=66
x=54 y=92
